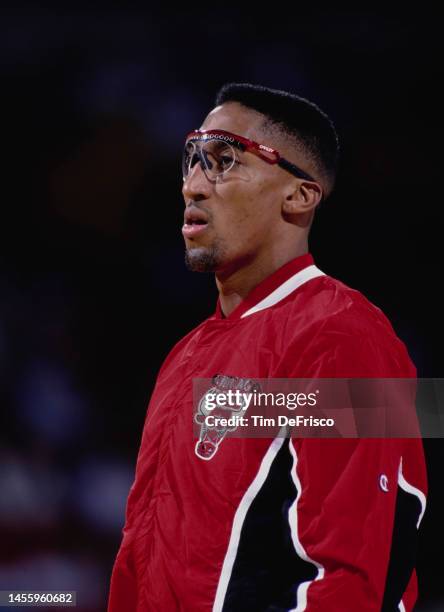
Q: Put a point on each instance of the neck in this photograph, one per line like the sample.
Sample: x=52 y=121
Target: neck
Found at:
x=236 y=283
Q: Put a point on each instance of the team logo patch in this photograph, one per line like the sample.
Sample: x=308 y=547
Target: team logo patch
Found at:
x=210 y=438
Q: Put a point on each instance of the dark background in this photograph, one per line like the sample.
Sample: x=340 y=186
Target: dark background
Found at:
x=95 y=104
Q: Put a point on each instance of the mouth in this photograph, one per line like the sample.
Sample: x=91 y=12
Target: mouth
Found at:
x=195 y=222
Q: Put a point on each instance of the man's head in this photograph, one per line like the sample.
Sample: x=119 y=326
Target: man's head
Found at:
x=253 y=198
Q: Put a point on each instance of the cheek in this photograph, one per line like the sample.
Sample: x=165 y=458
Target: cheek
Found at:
x=247 y=213
x=259 y=207
x=242 y=215
x=267 y=196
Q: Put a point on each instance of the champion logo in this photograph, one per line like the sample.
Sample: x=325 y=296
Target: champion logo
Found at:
x=383 y=483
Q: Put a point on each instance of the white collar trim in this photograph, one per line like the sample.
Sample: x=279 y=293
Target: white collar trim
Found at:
x=290 y=285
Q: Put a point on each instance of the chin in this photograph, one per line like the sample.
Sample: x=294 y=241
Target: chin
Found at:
x=203 y=259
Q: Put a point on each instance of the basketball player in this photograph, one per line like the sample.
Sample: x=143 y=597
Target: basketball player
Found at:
x=235 y=524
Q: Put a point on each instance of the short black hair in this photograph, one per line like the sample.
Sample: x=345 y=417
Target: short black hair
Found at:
x=297 y=118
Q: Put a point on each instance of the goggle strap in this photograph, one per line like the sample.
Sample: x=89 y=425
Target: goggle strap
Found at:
x=286 y=165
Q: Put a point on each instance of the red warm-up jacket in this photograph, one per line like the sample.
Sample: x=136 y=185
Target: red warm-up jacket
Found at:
x=304 y=524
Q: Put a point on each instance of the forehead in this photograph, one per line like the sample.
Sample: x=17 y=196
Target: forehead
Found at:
x=235 y=118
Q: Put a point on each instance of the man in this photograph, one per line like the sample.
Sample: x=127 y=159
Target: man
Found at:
x=268 y=524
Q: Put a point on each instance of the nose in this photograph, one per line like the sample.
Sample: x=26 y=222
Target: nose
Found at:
x=196 y=185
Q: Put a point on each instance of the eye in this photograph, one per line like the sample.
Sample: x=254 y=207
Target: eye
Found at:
x=226 y=161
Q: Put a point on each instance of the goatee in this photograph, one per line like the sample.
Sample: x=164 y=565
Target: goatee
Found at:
x=203 y=259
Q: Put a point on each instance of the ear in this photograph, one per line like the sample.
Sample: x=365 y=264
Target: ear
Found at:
x=301 y=197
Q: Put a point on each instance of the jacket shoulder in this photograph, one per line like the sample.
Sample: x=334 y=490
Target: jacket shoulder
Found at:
x=347 y=331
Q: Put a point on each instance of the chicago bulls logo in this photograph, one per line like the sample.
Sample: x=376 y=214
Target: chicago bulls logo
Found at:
x=211 y=436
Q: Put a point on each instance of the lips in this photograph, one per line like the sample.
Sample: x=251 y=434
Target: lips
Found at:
x=195 y=222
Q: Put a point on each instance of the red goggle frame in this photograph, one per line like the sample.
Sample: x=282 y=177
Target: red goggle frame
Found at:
x=269 y=155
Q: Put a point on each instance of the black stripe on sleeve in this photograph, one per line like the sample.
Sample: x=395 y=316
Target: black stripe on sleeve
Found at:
x=403 y=549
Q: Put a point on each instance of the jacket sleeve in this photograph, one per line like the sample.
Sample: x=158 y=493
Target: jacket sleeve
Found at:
x=359 y=501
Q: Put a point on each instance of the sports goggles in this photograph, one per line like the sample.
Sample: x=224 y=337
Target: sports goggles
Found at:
x=216 y=152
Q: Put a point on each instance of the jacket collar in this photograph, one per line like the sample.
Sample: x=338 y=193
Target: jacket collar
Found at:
x=273 y=288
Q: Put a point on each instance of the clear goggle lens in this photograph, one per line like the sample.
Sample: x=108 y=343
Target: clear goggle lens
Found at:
x=215 y=156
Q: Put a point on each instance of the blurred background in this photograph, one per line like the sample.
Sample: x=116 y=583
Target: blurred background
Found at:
x=93 y=288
